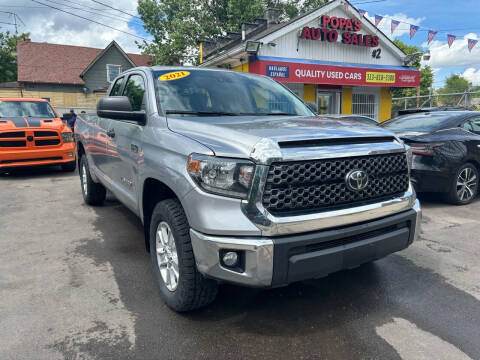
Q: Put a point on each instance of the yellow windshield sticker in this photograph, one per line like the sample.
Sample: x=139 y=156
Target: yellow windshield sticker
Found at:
x=173 y=75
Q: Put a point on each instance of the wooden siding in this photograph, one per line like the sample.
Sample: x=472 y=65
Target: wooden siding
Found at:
x=96 y=77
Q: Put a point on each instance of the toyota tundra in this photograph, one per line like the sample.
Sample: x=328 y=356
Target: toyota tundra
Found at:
x=236 y=180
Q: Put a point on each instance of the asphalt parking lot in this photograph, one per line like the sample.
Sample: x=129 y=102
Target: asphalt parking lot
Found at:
x=76 y=283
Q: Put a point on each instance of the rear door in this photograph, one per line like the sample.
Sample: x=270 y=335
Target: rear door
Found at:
x=98 y=147
x=124 y=144
x=472 y=125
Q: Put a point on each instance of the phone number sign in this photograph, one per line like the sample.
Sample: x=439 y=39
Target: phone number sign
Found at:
x=380 y=77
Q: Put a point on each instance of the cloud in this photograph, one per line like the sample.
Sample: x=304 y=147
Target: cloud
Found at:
x=472 y=75
x=402 y=29
x=48 y=25
x=456 y=56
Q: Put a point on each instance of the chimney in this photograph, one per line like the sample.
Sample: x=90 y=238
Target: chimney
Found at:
x=27 y=39
x=272 y=16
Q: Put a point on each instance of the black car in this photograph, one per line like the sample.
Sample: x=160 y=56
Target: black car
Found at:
x=446 y=151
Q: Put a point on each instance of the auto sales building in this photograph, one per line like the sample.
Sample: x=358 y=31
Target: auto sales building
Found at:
x=332 y=56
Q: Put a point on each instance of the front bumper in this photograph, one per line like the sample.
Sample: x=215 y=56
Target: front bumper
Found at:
x=32 y=157
x=277 y=261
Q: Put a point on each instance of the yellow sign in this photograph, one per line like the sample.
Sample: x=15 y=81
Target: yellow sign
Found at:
x=380 y=77
x=173 y=75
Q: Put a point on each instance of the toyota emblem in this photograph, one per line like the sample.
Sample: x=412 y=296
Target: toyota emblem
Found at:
x=356 y=180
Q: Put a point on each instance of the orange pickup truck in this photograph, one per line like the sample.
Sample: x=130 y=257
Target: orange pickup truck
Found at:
x=32 y=133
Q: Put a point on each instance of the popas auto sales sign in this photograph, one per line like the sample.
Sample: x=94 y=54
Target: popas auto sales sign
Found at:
x=332 y=25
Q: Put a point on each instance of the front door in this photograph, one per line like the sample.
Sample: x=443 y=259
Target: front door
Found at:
x=328 y=102
x=124 y=147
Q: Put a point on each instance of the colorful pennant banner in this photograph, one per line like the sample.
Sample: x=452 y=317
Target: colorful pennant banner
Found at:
x=394 y=25
x=431 y=35
x=378 y=18
x=450 y=39
x=362 y=12
x=413 y=30
x=471 y=44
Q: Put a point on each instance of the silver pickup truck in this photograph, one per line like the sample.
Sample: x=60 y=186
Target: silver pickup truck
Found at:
x=236 y=180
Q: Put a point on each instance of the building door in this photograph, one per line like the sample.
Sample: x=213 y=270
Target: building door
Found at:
x=328 y=102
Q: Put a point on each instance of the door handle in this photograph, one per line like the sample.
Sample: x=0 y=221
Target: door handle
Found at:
x=111 y=133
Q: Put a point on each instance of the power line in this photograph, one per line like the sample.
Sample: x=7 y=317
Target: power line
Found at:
x=111 y=7
x=96 y=22
x=92 y=12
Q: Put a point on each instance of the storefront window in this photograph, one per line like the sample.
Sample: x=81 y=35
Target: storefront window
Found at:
x=364 y=104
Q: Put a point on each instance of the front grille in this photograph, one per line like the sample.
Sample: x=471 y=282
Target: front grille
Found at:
x=44 y=133
x=12 y=134
x=13 y=143
x=317 y=184
x=47 y=142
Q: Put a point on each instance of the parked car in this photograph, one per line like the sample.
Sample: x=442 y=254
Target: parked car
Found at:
x=446 y=151
x=237 y=181
x=32 y=133
x=431 y=109
x=358 y=118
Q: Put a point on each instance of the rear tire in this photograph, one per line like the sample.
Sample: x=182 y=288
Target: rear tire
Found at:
x=69 y=167
x=172 y=256
x=464 y=187
x=93 y=193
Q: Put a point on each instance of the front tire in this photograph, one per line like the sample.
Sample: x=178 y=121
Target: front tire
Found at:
x=93 y=193
x=464 y=187
x=182 y=287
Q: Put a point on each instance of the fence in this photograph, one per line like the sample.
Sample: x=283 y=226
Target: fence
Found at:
x=465 y=99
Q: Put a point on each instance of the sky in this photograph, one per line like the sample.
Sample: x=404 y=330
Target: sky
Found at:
x=460 y=18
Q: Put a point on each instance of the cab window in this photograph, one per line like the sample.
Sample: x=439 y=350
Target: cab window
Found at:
x=135 y=91
x=117 y=87
x=475 y=125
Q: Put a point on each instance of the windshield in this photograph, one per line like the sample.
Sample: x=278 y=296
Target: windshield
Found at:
x=421 y=122
x=26 y=108
x=197 y=92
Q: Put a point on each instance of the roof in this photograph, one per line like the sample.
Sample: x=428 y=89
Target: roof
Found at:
x=59 y=64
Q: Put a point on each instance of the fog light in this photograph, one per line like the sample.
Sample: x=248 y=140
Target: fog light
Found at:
x=70 y=154
x=230 y=258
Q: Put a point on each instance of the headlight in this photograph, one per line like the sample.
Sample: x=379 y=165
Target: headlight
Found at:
x=67 y=137
x=221 y=176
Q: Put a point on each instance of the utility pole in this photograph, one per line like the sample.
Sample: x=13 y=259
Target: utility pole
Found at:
x=15 y=22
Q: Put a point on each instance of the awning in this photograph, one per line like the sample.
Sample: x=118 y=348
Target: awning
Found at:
x=318 y=72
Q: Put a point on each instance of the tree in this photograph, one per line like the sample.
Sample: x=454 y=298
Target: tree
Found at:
x=8 y=55
x=177 y=25
x=455 y=83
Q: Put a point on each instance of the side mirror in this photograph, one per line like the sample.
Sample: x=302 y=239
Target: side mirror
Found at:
x=312 y=106
x=119 y=108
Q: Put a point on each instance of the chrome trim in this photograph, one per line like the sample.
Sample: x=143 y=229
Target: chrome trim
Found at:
x=418 y=224
x=258 y=258
x=274 y=225
x=340 y=151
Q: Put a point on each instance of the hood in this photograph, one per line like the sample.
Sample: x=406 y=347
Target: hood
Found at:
x=17 y=122
x=237 y=136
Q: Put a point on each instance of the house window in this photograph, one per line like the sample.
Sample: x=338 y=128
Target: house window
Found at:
x=113 y=71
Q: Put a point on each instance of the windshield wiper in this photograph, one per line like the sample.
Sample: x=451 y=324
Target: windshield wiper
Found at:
x=268 y=114
x=203 y=113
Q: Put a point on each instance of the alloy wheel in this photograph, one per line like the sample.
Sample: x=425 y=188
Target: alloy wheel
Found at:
x=466 y=184
x=84 y=180
x=167 y=257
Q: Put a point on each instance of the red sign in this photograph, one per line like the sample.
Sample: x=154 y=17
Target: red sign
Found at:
x=329 y=32
x=337 y=75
